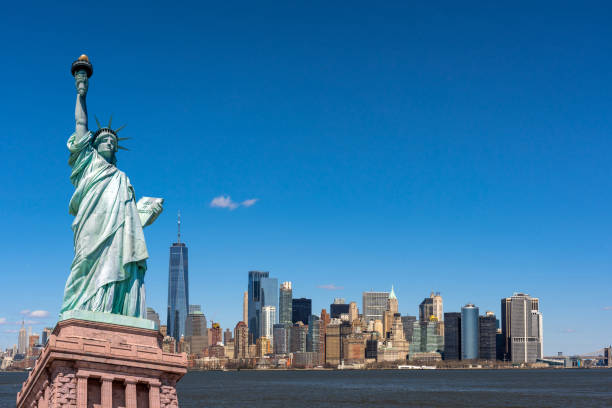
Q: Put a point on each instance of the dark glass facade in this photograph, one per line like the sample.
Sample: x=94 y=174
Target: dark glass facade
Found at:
x=452 y=336
x=178 y=290
x=255 y=303
x=488 y=341
x=408 y=325
x=336 y=309
x=301 y=310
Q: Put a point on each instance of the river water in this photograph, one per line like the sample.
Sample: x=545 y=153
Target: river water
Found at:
x=384 y=388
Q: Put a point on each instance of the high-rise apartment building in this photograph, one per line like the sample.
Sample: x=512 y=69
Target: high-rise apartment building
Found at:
x=522 y=328
x=196 y=332
x=469 y=332
x=285 y=303
x=178 y=287
x=301 y=310
x=255 y=303
x=452 y=336
x=374 y=306
x=487 y=336
x=241 y=340
x=268 y=320
x=281 y=338
x=216 y=334
x=299 y=332
x=227 y=337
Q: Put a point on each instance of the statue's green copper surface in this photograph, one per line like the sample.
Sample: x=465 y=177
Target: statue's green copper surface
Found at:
x=107 y=273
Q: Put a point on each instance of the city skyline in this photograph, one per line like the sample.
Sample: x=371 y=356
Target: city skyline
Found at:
x=460 y=150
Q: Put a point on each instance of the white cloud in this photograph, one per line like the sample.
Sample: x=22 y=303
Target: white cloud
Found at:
x=249 y=202
x=225 y=201
x=25 y=312
x=330 y=286
x=39 y=313
x=607 y=308
x=2 y=320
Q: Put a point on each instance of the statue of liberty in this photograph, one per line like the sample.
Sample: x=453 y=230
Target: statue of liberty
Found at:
x=107 y=273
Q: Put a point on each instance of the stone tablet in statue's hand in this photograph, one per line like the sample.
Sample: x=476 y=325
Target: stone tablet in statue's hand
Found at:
x=149 y=209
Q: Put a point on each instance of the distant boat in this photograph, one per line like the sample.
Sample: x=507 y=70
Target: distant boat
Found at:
x=415 y=367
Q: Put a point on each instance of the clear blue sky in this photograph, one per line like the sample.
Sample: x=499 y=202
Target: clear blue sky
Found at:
x=462 y=148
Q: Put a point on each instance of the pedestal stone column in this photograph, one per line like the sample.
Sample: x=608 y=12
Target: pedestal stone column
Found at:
x=130 y=393
x=154 y=398
x=81 y=391
x=107 y=392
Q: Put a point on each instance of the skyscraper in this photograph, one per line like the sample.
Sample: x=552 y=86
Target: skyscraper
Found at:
x=245 y=307
x=337 y=308
x=254 y=306
x=452 y=336
x=374 y=305
x=22 y=343
x=487 y=336
x=469 y=332
x=301 y=310
x=178 y=287
x=431 y=306
x=522 y=328
x=285 y=303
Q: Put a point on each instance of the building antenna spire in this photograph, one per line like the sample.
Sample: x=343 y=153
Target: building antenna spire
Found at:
x=179 y=226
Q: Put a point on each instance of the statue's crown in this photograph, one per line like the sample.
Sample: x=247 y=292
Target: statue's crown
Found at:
x=102 y=130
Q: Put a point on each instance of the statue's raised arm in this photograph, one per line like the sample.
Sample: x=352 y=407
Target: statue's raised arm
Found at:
x=82 y=70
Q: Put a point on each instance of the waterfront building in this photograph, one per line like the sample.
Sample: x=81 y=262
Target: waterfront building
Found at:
x=353 y=349
x=264 y=346
x=241 y=340
x=268 y=320
x=522 y=328
x=307 y=359
x=333 y=343
x=487 y=337
x=178 y=287
x=285 y=299
x=469 y=332
x=301 y=310
x=196 y=332
x=299 y=332
x=371 y=349
x=425 y=338
x=408 y=324
x=255 y=302
x=374 y=305
x=452 y=336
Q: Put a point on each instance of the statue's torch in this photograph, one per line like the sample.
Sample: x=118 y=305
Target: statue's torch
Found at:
x=82 y=64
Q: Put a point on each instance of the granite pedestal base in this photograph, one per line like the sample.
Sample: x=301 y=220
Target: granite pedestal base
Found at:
x=88 y=364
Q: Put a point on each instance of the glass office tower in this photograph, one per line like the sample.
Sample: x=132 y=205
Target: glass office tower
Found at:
x=263 y=291
x=285 y=306
x=178 y=287
x=469 y=332
x=302 y=309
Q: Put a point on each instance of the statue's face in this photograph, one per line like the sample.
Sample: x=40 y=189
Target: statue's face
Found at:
x=106 y=145
x=82 y=82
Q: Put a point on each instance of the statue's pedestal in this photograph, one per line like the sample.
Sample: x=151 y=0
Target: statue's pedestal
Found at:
x=89 y=364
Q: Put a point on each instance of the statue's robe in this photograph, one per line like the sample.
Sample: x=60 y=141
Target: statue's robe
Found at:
x=107 y=273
